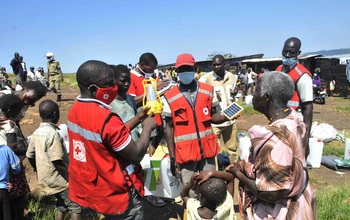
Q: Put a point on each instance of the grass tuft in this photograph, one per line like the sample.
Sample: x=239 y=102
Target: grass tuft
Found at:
x=334 y=203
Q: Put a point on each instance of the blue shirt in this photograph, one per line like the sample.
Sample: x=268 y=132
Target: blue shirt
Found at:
x=9 y=163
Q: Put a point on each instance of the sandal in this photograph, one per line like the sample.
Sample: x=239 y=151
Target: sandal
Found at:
x=155 y=201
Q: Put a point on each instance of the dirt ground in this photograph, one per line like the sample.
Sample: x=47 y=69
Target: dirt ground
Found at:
x=324 y=177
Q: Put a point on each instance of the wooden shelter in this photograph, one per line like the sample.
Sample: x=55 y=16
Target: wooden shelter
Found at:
x=330 y=68
x=233 y=63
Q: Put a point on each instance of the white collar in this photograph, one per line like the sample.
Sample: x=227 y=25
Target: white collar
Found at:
x=216 y=76
x=136 y=73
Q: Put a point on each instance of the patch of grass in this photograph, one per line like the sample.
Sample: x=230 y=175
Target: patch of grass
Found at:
x=334 y=203
x=333 y=150
x=345 y=108
x=44 y=209
x=249 y=110
x=342 y=109
x=69 y=80
x=315 y=180
x=342 y=99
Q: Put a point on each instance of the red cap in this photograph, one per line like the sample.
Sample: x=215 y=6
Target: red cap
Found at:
x=185 y=59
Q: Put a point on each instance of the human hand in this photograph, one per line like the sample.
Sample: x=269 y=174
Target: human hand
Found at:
x=149 y=122
x=194 y=179
x=162 y=84
x=203 y=176
x=10 y=186
x=175 y=168
x=234 y=168
x=142 y=114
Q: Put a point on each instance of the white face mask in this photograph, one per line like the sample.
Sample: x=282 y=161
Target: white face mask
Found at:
x=147 y=75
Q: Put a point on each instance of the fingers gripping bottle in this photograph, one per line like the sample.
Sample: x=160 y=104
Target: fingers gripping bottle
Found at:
x=151 y=97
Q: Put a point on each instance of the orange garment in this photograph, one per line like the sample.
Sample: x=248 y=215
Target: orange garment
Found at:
x=193 y=134
x=295 y=74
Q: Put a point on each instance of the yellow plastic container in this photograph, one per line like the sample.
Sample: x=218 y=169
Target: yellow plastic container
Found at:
x=151 y=97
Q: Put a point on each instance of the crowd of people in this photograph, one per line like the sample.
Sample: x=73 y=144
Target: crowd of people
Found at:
x=19 y=68
x=110 y=131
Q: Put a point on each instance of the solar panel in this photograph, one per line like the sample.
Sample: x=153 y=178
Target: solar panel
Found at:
x=232 y=111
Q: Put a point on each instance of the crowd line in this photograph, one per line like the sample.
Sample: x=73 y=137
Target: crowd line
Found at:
x=124 y=112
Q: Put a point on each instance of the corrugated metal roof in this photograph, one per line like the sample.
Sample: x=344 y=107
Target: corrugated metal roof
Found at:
x=273 y=59
x=257 y=60
x=338 y=56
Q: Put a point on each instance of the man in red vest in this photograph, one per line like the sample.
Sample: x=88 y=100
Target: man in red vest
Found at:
x=104 y=162
x=302 y=78
x=189 y=110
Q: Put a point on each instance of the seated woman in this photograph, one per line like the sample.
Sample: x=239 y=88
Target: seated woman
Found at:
x=316 y=81
x=274 y=181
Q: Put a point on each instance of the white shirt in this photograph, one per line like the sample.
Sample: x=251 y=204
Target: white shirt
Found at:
x=305 y=88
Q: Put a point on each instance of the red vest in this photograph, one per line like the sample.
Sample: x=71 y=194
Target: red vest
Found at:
x=97 y=175
x=295 y=74
x=193 y=135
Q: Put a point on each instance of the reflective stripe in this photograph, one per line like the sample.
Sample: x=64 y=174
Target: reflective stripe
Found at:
x=298 y=71
x=88 y=135
x=205 y=92
x=14 y=166
x=193 y=136
x=174 y=98
x=292 y=103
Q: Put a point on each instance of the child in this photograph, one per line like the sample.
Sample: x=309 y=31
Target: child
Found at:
x=46 y=148
x=11 y=135
x=9 y=164
x=125 y=106
x=215 y=192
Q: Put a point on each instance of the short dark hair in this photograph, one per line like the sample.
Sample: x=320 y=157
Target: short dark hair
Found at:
x=119 y=69
x=213 y=191
x=219 y=56
x=39 y=89
x=90 y=72
x=47 y=109
x=11 y=105
x=148 y=58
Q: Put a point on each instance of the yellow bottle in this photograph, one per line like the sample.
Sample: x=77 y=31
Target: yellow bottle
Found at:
x=151 y=97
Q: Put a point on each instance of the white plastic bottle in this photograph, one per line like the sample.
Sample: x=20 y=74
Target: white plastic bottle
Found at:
x=316 y=149
x=244 y=146
x=347 y=149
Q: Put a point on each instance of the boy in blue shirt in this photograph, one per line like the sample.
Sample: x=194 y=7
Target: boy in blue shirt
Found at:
x=9 y=164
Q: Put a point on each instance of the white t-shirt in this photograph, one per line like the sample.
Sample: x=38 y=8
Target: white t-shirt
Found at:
x=304 y=87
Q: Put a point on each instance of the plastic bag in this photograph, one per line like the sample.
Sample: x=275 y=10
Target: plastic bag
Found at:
x=323 y=131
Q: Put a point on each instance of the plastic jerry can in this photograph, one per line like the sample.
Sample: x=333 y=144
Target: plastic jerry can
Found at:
x=347 y=149
x=316 y=149
x=244 y=146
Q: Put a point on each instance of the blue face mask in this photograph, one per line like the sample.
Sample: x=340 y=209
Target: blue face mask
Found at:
x=289 y=61
x=186 y=77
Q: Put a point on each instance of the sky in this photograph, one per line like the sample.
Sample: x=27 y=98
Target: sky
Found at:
x=119 y=31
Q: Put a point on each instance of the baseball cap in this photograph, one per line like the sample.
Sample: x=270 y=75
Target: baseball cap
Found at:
x=185 y=59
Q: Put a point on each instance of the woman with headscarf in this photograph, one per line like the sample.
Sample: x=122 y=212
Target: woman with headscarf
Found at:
x=274 y=181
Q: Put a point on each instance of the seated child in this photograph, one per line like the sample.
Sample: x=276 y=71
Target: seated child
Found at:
x=47 y=150
x=215 y=196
